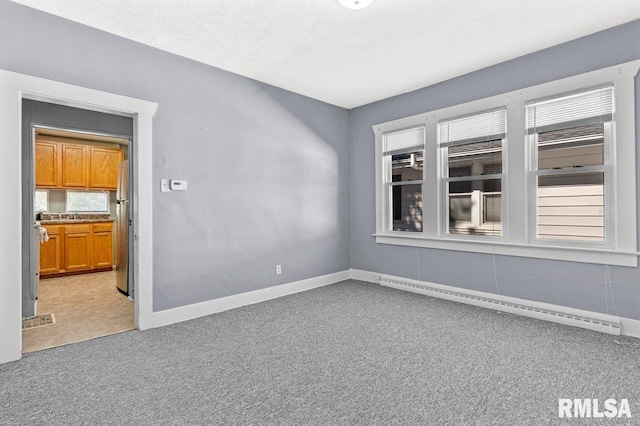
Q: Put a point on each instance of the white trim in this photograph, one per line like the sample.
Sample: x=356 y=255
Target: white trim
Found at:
x=13 y=88
x=360 y=275
x=197 y=310
x=570 y=254
x=630 y=327
x=517 y=231
x=605 y=323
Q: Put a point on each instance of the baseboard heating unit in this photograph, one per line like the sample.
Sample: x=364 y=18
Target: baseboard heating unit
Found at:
x=554 y=313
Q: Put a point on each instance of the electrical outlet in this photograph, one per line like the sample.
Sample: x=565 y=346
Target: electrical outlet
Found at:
x=278 y=269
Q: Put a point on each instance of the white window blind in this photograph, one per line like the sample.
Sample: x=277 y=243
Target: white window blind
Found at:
x=476 y=128
x=404 y=141
x=594 y=106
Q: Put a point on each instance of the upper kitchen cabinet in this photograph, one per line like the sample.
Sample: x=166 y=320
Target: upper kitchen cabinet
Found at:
x=66 y=163
x=47 y=170
x=104 y=167
x=74 y=166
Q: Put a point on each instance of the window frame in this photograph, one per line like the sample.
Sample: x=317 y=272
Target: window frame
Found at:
x=445 y=179
x=517 y=232
x=609 y=148
x=66 y=201
x=387 y=176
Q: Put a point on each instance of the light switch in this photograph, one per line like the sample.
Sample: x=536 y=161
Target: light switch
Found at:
x=164 y=185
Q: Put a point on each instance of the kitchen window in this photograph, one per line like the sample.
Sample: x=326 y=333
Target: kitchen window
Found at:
x=41 y=203
x=87 y=202
x=527 y=173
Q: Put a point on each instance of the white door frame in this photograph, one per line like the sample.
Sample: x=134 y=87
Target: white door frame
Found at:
x=13 y=88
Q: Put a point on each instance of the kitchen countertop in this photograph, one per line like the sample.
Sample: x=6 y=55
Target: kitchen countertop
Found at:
x=74 y=221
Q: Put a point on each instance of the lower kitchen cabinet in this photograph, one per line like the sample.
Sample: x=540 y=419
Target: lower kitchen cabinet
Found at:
x=77 y=248
x=51 y=252
x=102 y=245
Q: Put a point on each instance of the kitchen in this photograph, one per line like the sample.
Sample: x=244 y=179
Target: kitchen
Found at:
x=81 y=206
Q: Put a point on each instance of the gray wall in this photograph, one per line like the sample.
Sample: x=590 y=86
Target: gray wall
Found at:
x=268 y=170
x=577 y=285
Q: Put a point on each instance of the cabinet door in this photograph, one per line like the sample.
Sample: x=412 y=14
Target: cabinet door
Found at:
x=77 y=247
x=102 y=245
x=47 y=175
x=74 y=166
x=104 y=168
x=51 y=255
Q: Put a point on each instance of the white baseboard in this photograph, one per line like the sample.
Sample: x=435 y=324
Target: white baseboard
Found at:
x=185 y=313
x=630 y=327
x=549 y=312
x=360 y=275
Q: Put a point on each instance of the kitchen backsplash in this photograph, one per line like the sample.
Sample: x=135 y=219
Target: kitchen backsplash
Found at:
x=54 y=216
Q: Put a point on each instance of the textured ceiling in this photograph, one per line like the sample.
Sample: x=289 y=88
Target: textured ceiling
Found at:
x=347 y=57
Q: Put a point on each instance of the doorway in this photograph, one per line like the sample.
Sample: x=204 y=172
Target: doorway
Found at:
x=15 y=88
x=79 y=283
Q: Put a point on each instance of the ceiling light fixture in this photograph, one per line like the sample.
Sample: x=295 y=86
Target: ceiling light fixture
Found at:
x=355 y=4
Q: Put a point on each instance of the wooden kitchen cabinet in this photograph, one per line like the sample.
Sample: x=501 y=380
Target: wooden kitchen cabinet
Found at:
x=51 y=252
x=47 y=170
x=102 y=245
x=77 y=247
x=64 y=163
x=74 y=166
x=104 y=167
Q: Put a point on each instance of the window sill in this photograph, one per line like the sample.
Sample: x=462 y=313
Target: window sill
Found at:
x=571 y=254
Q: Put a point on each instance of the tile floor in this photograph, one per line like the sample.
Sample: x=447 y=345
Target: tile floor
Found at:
x=85 y=307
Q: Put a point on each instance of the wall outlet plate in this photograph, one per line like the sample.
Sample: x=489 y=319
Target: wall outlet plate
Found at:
x=278 y=269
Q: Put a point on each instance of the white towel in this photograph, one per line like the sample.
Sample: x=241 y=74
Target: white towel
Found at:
x=44 y=236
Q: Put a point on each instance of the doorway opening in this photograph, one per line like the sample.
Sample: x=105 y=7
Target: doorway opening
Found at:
x=80 y=284
x=14 y=262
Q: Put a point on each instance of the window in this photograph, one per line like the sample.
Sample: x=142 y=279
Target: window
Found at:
x=404 y=177
x=87 y=201
x=568 y=137
x=548 y=171
x=471 y=149
x=41 y=203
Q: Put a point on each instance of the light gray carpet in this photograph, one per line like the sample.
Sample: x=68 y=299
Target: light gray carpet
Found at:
x=349 y=353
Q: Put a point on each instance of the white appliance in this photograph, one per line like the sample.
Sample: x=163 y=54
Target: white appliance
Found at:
x=30 y=300
x=122 y=229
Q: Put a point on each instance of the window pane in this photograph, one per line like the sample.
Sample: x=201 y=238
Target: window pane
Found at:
x=476 y=207
x=406 y=167
x=42 y=201
x=406 y=203
x=87 y=201
x=571 y=207
x=572 y=147
x=475 y=159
